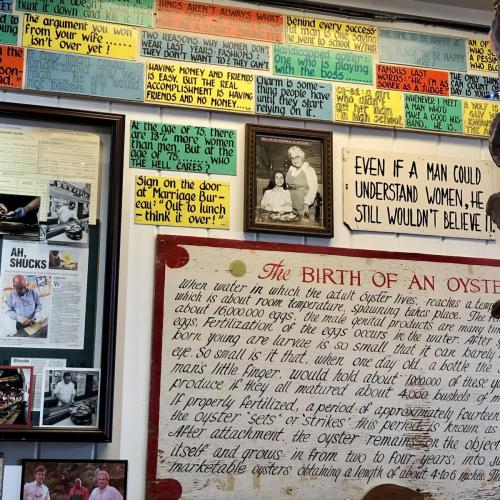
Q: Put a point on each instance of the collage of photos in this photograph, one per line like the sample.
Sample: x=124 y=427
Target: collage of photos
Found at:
x=74 y=480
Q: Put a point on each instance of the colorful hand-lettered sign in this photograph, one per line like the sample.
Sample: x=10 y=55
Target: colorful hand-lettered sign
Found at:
x=422 y=49
x=368 y=106
x=475 y=86
x=481 y=57
x=478 y=116
x=428 y=112
x=172 y=45
x=406 y=78
x=79 y=37
x=331 y=34
x=182 y=148
x=181 y=202
x=324 y=64
x=189 y=85
x=134 y=12
x=9 y=27
x=293 y=98
x=11 y=66
x=220 y=20
x=95 y=76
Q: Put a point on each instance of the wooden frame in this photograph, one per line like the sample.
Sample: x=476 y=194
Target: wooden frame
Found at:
x=288 y=203
x=98 y=300
x=61 y=474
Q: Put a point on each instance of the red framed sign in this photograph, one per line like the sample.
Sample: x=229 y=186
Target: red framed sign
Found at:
x=275 y=364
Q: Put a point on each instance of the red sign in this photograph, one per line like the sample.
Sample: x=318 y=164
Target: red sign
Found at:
x=408 y=79
x=220 y=20
x=11 y=66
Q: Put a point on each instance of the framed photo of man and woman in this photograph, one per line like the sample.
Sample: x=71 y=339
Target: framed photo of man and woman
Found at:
x=60 y=209
x=288 y=181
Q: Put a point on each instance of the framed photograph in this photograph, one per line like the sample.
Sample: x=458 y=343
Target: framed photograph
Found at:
x=70 y=398
x=59 y=258
x=16 y=396
x=74 y=479
x=288 y=181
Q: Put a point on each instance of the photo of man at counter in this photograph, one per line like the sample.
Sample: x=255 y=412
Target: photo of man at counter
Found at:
x=15 y=383
x=70 y=397
x=24 y=307
x=68 y=212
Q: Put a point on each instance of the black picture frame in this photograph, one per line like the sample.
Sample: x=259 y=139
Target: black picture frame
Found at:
x=60 y=474
x=102 y=271
x=302 y=205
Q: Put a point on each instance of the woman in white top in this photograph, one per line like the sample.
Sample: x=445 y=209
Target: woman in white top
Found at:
x=276 y=196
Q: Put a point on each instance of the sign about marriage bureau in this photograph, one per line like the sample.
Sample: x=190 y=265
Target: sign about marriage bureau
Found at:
x=181 y=202
x=400 y=193
x=318 y=369
x=51 y=313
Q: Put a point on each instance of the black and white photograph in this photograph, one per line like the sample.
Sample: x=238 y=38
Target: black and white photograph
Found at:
x=68 y=213
x=19 y=216
x=16 y=384
x=25 y=305
x=288 y=181
x=74 y=480
x=70 y=397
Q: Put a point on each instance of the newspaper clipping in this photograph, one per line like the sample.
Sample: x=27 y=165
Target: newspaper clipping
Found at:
x=42 y=304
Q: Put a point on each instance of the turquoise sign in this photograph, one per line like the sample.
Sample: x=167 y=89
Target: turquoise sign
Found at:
x=293 y=98
x=9 y=27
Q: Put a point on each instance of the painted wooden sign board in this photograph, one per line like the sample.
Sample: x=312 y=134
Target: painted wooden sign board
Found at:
x=413 y=194
x=317 y=372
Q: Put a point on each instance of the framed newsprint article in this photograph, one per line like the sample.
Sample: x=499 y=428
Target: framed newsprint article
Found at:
x=288 y=181
x=60 y=204
x=289 y=370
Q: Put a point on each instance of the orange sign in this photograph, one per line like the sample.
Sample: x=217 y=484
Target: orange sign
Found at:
x=220 y=20
x=11 y=66
x=405 y=78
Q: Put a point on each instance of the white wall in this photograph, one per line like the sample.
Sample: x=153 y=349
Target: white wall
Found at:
x=138 y=242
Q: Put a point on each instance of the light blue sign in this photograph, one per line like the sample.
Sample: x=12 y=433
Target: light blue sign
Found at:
x=5 y=5
x=187 y=47
x=422 y=49
x=475 y=86
x=293 y=98
x=92 y=76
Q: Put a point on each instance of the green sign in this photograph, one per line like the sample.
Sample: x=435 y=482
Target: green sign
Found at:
x=114 y=11
x=428 y=112
x=182 y=148
x=9 y=26
x=324 y=64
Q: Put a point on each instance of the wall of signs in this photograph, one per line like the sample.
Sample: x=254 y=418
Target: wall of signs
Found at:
x=253 y=61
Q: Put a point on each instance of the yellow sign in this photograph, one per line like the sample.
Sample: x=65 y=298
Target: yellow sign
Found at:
x=478 y=116
x=181 y=202
x=331 y=34
x=481 y=56
x=206 y=87
x=369 y=106
x=79 y=36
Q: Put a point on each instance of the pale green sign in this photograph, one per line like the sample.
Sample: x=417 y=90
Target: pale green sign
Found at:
x=323 y=64
x=114 y=11
x=182 y=148
x=429 y=112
